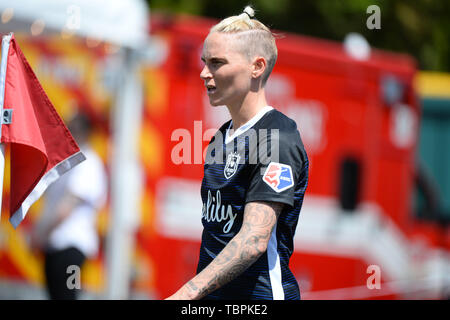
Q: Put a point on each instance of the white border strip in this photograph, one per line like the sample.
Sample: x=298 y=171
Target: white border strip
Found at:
x=50 y=177
x=273 y=260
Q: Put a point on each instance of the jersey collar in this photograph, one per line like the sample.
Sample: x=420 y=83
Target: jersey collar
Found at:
x=250 y=123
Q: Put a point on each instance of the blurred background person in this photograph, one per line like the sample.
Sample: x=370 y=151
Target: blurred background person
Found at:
x=66 y=232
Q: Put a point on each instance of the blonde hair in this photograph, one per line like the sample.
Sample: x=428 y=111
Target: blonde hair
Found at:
x=255 y=38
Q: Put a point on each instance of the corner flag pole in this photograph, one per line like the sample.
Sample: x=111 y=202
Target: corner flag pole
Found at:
x=3 y=118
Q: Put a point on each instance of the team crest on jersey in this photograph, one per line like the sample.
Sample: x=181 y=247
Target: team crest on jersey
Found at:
x=231 y=165
x=278 y=176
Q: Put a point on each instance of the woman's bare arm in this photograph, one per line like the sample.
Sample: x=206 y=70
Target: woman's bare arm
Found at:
x=239 y=254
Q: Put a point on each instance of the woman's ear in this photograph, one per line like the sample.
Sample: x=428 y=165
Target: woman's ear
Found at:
x=259 y=66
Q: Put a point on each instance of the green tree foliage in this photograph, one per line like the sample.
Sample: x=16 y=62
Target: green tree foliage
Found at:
x=420 y=28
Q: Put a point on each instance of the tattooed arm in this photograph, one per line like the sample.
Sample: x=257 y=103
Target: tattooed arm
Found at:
x=239 y=254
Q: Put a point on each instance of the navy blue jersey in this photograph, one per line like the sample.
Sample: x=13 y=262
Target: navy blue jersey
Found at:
x=266 y=162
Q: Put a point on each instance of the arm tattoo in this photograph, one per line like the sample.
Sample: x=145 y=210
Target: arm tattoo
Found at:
x=242 y=251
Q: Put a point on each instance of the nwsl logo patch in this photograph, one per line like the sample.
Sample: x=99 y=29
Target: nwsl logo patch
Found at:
x=278 y=176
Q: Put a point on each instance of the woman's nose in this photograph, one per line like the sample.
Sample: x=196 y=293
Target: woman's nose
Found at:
x=205 y=74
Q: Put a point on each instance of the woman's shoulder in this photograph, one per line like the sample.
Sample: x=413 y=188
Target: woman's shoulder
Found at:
x=275 y=119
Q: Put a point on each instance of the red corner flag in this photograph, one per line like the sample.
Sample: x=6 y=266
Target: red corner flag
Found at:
x=42 y=148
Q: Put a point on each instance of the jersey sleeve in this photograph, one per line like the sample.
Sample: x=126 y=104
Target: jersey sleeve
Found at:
x=276 y=174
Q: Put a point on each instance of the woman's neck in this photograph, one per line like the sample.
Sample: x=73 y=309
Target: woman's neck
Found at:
x=250 y=106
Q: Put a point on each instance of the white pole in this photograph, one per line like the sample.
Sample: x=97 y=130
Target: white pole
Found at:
x=5 y=48
x=125 y=180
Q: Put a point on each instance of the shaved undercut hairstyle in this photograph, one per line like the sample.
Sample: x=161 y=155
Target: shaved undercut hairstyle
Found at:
x=254 y=38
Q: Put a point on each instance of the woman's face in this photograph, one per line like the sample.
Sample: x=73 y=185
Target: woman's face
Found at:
x=227 y=72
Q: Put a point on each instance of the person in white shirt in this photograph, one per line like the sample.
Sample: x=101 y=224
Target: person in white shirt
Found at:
x=67 y=231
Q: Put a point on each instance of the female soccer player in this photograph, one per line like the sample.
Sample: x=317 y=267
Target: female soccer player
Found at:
x=251 y=197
